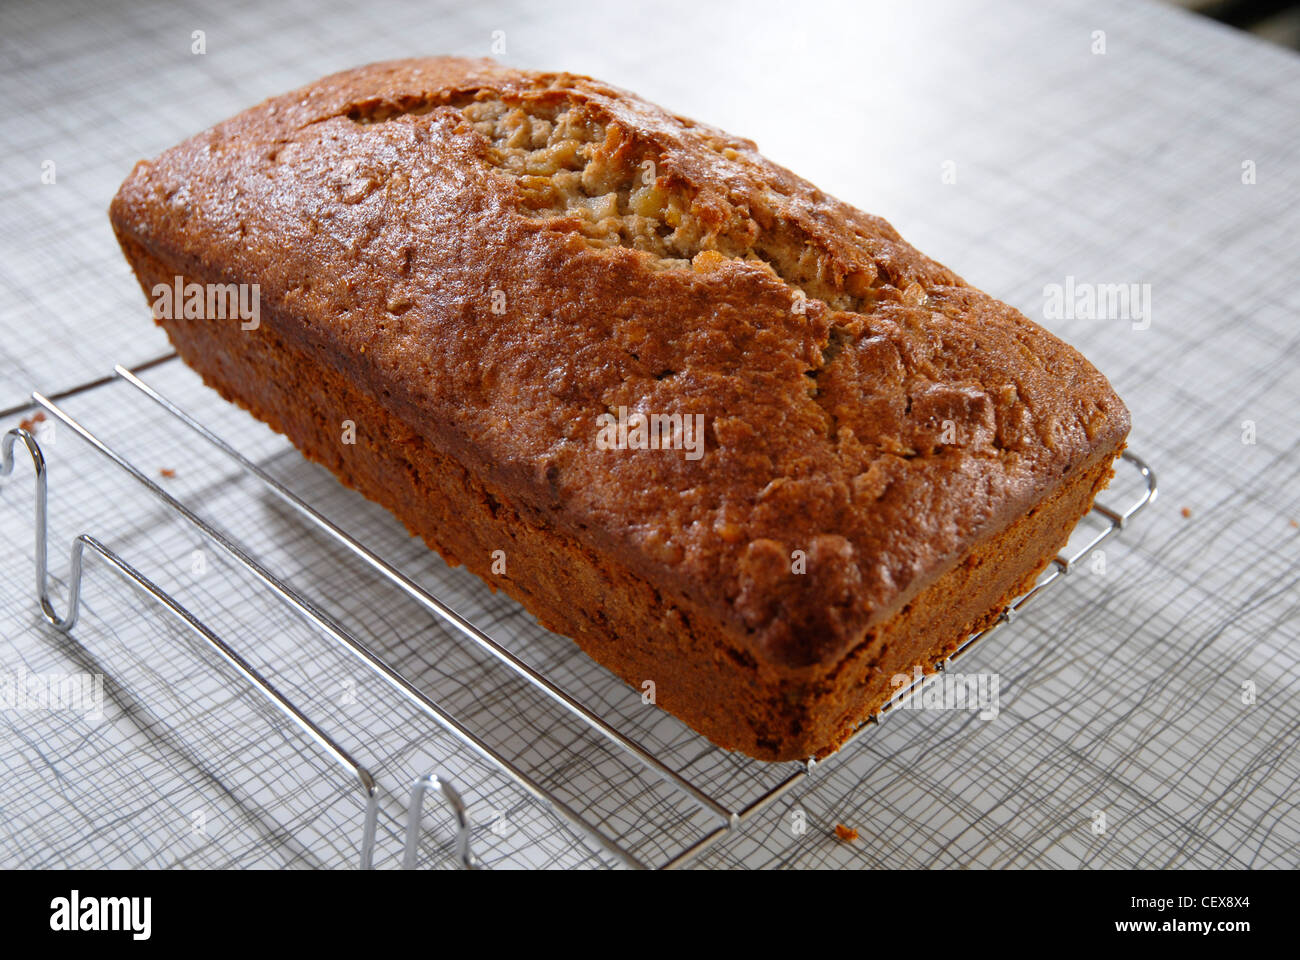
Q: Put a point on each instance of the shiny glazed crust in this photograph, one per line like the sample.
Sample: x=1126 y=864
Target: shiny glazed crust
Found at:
x=473 y=264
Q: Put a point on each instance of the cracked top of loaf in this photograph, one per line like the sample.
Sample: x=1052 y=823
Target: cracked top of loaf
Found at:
x=501 y=257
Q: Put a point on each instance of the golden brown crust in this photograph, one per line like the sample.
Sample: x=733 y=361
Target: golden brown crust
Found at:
x=863 y=405
x=700 y=673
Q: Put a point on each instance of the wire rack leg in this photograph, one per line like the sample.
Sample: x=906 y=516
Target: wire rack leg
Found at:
x=415 y=816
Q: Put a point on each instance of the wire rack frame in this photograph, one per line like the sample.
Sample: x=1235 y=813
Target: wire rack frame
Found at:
x=64 y=624
x=726 y=817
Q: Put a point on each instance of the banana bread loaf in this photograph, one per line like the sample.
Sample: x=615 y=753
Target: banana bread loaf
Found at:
x=730 y=434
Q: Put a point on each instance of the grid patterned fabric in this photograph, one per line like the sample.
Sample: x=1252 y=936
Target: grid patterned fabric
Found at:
x=1147 y=708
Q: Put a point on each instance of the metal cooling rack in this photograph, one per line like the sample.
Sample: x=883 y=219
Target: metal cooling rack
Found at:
x=634 y=784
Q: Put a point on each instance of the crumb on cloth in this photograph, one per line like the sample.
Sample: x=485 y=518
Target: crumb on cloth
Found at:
x=845 y=834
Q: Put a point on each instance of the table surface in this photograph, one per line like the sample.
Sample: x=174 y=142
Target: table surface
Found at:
x=1156 y=694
